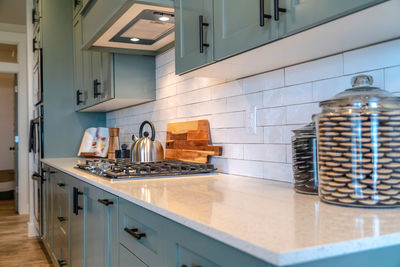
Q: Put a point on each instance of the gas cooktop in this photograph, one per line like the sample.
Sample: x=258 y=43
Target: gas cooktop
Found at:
x=125 y=169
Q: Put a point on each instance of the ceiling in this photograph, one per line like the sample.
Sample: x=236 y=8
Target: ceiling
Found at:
x=13 y=12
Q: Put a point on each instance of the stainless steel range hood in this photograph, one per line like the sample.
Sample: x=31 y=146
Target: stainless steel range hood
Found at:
x=142 y=27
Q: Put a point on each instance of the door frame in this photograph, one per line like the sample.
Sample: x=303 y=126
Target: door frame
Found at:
x=21 y=68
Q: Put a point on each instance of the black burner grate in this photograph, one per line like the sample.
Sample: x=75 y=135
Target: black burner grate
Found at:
x=123 y=169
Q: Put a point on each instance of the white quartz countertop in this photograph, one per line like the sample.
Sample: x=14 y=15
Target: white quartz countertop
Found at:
x=266 y=219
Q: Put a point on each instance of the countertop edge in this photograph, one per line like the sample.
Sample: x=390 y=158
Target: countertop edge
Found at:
x=308 y=254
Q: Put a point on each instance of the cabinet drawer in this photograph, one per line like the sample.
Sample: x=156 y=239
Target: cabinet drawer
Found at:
x=140 y=232
x=128 y=259
x=188 y=258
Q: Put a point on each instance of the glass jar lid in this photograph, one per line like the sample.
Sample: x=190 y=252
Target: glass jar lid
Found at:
x=362 y=94
x=307 y=130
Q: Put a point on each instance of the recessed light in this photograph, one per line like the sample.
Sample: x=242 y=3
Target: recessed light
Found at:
x=163 y=18
x=134 y=39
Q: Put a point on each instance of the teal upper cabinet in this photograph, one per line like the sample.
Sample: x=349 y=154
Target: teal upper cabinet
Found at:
x=303 y=14
x=136 y=27
x=112 y=81
x=234 y=27
x=242 y=25
x=193 y=34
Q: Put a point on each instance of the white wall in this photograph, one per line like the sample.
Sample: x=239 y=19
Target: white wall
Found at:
x=6 y=121
x=285 y=100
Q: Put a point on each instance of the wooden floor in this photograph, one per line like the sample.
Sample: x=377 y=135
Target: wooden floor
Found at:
x=16 y=248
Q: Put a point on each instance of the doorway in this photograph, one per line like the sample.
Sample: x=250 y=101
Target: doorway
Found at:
x=8 y=113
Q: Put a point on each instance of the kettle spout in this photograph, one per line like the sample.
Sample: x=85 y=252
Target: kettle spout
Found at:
x=135 y=138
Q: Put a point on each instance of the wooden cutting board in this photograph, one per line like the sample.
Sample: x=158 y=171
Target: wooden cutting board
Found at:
x=190 y=141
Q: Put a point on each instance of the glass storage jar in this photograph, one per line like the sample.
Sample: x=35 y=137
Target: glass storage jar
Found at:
x=358 y=134
x=304 y=150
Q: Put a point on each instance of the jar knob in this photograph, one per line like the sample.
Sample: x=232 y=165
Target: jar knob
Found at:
x=362 y=80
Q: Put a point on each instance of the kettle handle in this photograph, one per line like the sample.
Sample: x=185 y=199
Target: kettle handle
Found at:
x=153 y=131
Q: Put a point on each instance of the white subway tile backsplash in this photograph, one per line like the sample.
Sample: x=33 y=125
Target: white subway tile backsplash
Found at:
x=271 y=116
x=243 y=102
x=285 y=100
x=297 y=94
x=301 y=113
x=273 y=135
x=272 y=98
x=278 y=171
x=228 y=120
x=232 y=88
x=233 y=151
x=319 y=69
x=266 y=152
x=378 y=56
x=265 y=81
x=392 y=79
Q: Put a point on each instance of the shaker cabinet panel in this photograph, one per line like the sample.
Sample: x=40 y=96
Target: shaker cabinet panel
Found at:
x=242 y=25
x=193 y=42
x=303 y=14
x=79 y=89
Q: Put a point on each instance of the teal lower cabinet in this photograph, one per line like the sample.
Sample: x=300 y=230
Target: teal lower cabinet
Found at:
x=101 y=226
x=61 y=218
x=86 y=226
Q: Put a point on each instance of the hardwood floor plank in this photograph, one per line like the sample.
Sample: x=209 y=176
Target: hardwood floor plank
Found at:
x=16 y=248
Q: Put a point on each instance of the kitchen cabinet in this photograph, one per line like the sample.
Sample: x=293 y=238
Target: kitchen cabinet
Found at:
x=76 y=211
x=101 y=227
x=61 y=218
x=193 y=34
x=128 y=259
x=240 y=26
x=48 y=208
x=106 y=81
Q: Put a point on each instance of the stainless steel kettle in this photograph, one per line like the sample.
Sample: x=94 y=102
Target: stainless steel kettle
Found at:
x=145 y=148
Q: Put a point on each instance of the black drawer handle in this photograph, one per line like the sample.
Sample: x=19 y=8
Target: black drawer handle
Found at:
x=52 y=172
x=105 y=202
x=193 y=265
x=135 y=233
x=277 y=9
x=78 y=97
x=62 y=262
x=202 y=24
x=96 y=84
x=61 y=219
x=61 y=184
x=263 y=16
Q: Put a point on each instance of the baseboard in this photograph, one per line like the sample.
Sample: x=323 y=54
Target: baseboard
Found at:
x=32 y=231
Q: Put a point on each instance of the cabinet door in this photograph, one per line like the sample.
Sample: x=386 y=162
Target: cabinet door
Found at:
x=87 y=78
x=190 y=53
x=128 y=259
x=61 y=218
x=303 y=14
x=111 y=220
x=79 y=89
x=95 y=228
x=97 y=83
x=239 y=26
x=48 y=208
x=77 y=200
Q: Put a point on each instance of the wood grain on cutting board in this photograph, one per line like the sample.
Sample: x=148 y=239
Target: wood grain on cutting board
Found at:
x=190 y=141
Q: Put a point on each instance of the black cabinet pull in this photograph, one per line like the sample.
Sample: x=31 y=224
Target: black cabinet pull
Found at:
x=105 y=202
x=193 y=265
x=96 y=84
x=277 y=9
x=62 y=263
x=135 y=233
x=202 y=24
x=263 y=16
x=61 y=219
x=61 y=184
x=52 y=172
x=77 y=3
x=78 y=97
x=75 y=203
